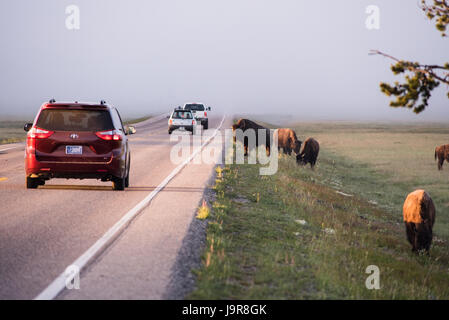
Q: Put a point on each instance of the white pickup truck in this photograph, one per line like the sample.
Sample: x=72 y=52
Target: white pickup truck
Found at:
x=199 y=112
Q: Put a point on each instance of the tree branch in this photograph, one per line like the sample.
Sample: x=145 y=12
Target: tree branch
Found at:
x=416 y=67
x=439 y=11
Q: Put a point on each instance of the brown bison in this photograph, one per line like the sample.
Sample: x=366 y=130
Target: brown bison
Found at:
x=309 y=152
x=288 y=141
x=442 y=153
x=419 y=217
x=245 y=124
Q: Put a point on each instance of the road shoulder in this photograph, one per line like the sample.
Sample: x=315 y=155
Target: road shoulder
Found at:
x=158 y=247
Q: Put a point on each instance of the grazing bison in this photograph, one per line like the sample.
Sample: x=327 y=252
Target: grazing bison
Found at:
x=288 y=141
x=309 y=152
x=442 y=153
x=245 y=124
x=419 y=217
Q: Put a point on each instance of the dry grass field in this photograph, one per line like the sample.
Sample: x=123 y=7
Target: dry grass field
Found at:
x=12 y=131
x=402 y=153
x=303 y=234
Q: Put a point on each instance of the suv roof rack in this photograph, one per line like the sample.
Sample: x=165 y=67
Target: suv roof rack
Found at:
x=52 y=100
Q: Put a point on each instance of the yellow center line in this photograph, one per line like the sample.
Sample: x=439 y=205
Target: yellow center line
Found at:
x=3 y=178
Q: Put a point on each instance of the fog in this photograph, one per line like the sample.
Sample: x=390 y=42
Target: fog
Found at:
x=302 y=59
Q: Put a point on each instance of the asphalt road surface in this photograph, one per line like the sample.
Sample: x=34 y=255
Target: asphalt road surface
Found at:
x=43 y=231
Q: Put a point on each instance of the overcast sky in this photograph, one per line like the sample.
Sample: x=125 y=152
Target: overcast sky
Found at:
x=308 y=59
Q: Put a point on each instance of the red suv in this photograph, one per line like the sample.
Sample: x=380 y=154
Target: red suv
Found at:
x=79 y=141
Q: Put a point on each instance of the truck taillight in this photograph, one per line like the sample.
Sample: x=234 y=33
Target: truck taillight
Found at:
x=38 y=133
x=205 y=113
x=170 y=121
x=109 y=135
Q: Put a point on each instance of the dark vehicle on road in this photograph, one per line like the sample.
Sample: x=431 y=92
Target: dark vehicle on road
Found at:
x=77 y=140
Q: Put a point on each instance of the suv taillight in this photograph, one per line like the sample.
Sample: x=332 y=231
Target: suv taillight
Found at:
x=205 y=113
x=109 y=135
x=38 y=133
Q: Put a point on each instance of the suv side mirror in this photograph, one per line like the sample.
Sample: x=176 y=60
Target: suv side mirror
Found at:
x=208 y=108
x=27 y=127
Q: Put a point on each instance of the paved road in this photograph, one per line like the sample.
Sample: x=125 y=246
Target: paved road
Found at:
x=43 y=231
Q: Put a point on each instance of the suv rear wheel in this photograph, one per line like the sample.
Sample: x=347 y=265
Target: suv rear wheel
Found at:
x=119 y=183
x=127 y=173
x=33 y=183
x=127 y=181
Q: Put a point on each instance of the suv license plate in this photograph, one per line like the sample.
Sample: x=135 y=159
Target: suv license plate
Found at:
x=73 y=149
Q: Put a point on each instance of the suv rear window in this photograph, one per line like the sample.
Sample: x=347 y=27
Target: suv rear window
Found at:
x=194 y=107
x=182 y=115
x=75 y=120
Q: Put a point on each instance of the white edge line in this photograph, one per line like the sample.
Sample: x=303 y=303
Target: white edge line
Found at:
x=59 y=284
x=11 y=148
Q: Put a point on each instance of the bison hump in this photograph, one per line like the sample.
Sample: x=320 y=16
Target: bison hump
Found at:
x=414 y=209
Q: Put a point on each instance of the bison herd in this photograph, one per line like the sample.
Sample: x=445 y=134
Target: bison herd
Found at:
x=287 y=140
x=418 y=209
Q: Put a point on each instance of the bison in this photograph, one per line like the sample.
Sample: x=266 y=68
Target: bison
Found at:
x=288 y=141
x=442 y=153
x=245 y=124
x=419 y=217
x=309 y=152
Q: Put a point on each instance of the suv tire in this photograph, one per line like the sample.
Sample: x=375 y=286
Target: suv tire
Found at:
x=33 y=183
x=119 y=183
x=127 y=173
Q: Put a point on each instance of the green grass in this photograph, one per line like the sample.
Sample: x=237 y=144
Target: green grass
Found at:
x=257 y=249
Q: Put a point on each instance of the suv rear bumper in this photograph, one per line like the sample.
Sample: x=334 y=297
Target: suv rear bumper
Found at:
x=75 y=170
x=174 y=127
